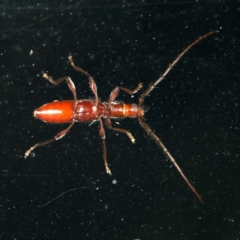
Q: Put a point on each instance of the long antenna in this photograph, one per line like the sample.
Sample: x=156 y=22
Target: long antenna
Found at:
x=148 y=129
x=146 y=93
x=170 y=157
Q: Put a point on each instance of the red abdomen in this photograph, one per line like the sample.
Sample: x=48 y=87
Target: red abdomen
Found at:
x=56 y=112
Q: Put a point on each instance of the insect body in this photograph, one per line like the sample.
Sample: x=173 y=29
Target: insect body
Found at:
x=85 y=111
x=93 y=110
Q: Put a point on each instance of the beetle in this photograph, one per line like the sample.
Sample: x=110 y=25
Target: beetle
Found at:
x=89 y=110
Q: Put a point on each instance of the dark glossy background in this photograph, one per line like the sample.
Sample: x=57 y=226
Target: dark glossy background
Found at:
x=195 y=111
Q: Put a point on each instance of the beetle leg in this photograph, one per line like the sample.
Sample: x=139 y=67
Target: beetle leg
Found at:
x=135 y=90
x=58 y=136
x=93 y=87
x=56 y=82
x=91 y=80
x=122 y=130
x=77 y=68
x=102 y=134
x=113 y=95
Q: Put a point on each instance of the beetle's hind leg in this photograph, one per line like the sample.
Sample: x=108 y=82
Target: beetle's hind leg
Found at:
x=59 y=80
x=58 y=136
